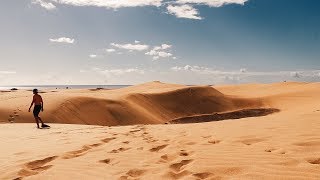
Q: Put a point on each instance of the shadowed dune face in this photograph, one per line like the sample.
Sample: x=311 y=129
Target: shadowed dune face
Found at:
x=150 y=103
x=244 y=113
x=148 y=108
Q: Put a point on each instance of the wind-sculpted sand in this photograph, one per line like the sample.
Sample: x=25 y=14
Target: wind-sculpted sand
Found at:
x=150 y=103
x=257 y=131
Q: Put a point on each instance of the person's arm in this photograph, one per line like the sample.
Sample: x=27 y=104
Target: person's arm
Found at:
x=41 y=104
x=31 y=103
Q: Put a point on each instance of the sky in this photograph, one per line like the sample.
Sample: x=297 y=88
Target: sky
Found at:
x=70 y=42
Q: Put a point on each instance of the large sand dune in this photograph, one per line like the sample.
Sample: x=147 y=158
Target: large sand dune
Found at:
x=151 y=103
x=261 y=145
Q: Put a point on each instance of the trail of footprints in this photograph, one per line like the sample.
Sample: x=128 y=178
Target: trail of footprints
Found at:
x=14 y=116
x=35 y=167
x=177 y=163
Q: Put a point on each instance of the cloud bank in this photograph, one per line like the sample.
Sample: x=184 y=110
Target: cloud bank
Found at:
x=44 y=4
x=178 y=8
x=63 y=40
x=118 y=72
x=212 y=3
x=132 y=47
x=160 y=52
x=244 y=76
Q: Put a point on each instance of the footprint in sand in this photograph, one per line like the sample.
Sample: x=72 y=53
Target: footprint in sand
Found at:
x=84 y=150
x=184 y=153
x=119 y=150
x=133 y=173
x=76 y=153
x=270 y=150
x=106 y=140
x=214 y=141
x=158 y=148
x=314 y=161
x=11 y=118
x=251 y=141
x=136 y=172
x=167 y=158
x=203 y=175
x=180 y=165
x=133 y=131
x=35 y=167
x=16 y=114
x=106 y=161
x=279 y=151
x=206 y=137
x=95 y=145
x=177 y=175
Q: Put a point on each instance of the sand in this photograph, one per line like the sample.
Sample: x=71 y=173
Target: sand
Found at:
x=251 y=131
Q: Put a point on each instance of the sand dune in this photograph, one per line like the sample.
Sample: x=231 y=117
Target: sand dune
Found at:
x=150 y=103
x=281 y=145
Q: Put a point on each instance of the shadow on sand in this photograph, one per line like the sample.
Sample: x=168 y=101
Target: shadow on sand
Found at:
x=244 y=113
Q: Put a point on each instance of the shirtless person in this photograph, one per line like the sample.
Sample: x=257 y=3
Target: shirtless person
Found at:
x=38 y=106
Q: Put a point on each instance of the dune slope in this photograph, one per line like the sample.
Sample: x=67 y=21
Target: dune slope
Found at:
x=151 y=103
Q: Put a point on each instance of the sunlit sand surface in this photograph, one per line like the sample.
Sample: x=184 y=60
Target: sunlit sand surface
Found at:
x=165 y=131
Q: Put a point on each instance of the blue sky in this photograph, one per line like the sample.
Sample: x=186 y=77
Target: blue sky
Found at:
x=177 y=41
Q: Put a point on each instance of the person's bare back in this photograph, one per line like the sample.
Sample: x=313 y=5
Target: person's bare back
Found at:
x=37 y=99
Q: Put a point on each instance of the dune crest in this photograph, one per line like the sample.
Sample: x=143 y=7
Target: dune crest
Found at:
x=149 y=103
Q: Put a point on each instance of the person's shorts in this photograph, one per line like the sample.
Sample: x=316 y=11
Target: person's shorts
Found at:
x=36 y=110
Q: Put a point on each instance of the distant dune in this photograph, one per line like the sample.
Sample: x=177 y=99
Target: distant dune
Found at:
x=250 y=131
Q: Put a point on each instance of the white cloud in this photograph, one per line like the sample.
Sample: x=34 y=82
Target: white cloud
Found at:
x=166 y=46
x=8 y=72
x=110 y=50
x=159 y=51
x=44 y=4
x=184 y=11
x=134 y=47
x=92 y=55
x=190 y=68
x=152 y=53
x=63 y=40
x=174 y=58
x=114 y=4
x=164 y=54
x=137 y=42
x=119 y=71
x=212 y=3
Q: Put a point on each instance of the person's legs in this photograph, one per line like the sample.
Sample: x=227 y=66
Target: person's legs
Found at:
x=36 y=118
x=39 y=118
x=36 y=112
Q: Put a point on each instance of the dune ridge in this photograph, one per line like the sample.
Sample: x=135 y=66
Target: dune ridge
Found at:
x=150 y=103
